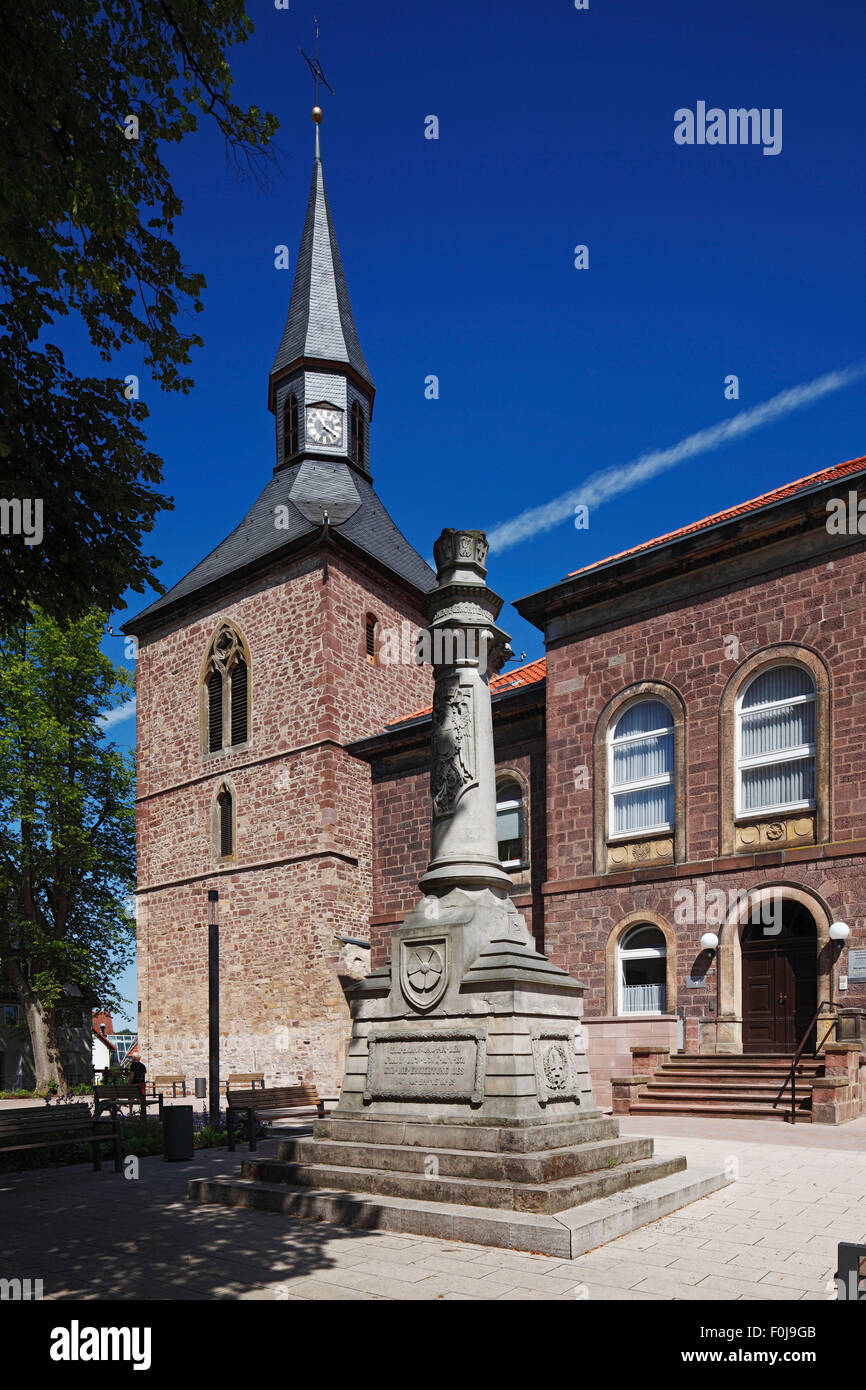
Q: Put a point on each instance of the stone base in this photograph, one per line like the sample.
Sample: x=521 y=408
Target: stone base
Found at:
x=467 y=1108
x=566 y=1235
x=558 y=1188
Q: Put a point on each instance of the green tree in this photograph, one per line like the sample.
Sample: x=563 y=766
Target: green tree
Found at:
x=67 y=827
x=87 y=221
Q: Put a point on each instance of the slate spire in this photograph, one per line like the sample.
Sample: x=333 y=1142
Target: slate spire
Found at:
x=320 y=326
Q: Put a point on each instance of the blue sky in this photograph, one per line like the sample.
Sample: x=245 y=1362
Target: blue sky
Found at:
x=556 y=129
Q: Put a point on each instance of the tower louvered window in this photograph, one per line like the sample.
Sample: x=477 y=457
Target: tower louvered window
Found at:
x=226 y=694
x=239 y=686
x=224 y=805
x=357 y=434
x=371 y=639
x=215 y=711
x=290 y=428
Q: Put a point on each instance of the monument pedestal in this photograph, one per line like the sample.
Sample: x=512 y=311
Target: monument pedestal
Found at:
x=468 y=1023
x=467 y=1109
x=473 y=1119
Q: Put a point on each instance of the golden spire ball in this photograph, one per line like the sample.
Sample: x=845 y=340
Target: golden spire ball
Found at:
x=316 y=114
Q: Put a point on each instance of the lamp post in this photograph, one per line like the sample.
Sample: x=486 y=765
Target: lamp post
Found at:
x=213 y=1004
x=839 y=933
x=710 y=942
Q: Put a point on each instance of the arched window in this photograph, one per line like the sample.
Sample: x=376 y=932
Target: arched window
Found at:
x=509 y=825
x=226 y=715
x=356 y=433
x=225 y=822
x=641 y=770
x=643 y=971
x=776 y=742
x=370 y=639
x=290 y=427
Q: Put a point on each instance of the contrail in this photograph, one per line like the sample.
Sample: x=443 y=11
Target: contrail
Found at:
x=599 y=487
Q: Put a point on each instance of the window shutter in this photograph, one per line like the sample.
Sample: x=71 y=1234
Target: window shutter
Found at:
x=290 y=428
x=225 y=810
x=357 y=434
x=371 y=638
x=239 y=678
x=215 y=711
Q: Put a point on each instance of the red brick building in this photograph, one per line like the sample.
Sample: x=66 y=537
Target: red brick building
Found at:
x=292 y=638
x=690 y=757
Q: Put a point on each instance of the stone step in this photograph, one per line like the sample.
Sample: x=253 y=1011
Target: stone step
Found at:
x=731 y=1064
x=727 y=1110
x=742 y=1059
x=537 y=1167
x=567 y=1235
x=526 y=1137
x=541 y=1198
x=695 y=1094
x=724 y=1087
x=742 y=1073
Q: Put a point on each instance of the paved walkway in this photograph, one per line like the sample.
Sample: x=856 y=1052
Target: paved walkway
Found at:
x=772 y=1234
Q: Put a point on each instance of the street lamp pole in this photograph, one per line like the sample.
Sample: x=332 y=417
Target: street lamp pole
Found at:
x=213 y=1005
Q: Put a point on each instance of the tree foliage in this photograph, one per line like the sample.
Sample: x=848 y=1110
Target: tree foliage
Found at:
x=67 y=826
x=87 y=226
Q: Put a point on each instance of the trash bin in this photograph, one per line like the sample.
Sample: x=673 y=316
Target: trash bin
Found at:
x=177 y=1133
x=201 y=1087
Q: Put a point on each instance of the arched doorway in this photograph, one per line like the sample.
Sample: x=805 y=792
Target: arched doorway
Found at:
x=779 y=977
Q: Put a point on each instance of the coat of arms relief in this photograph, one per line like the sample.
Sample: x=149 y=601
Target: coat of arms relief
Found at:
x=453 y=761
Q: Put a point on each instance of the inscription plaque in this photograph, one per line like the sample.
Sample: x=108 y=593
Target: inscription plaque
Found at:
x=857 y=965
x=410 y=1065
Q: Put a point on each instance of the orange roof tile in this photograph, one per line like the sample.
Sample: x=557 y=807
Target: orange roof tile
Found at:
x=529 y=674
x=779 y=494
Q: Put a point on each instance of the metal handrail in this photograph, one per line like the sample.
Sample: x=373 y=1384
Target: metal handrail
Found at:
x=825 y=1003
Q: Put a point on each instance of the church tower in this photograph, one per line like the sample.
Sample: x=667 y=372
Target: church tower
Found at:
x=292 y=639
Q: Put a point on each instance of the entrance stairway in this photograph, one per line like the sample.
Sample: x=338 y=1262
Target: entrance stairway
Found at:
x=728 y=1085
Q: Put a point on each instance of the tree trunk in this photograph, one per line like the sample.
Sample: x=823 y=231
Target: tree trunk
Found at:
x=41 y=1023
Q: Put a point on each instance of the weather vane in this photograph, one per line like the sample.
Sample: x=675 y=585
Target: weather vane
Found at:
x=318 y=76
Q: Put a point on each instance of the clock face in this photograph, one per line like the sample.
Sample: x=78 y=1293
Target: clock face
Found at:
x=324 y=425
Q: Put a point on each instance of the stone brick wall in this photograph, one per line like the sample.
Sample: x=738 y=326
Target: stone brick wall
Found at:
x=817 y=605
x=608 y=1046
x=302 y=871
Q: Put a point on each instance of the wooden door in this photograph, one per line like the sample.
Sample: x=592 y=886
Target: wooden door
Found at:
x=779 y=994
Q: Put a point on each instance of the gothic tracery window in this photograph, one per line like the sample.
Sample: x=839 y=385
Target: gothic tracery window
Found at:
x=226 y=684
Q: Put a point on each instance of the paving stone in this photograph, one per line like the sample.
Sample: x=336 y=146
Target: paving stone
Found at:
x=742 y=1288
x=151 y=1243
x=795 y=1280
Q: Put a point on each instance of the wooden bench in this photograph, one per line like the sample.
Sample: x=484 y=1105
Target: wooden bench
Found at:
x=275 y=1100
x=165 y=1082
x=111 y=1097
x=55 y=1125
x=246 y=1079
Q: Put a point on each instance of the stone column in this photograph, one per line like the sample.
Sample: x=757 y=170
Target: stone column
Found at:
x=465 y=648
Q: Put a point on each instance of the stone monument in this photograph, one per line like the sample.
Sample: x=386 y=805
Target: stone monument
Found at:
x=467 y=1107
